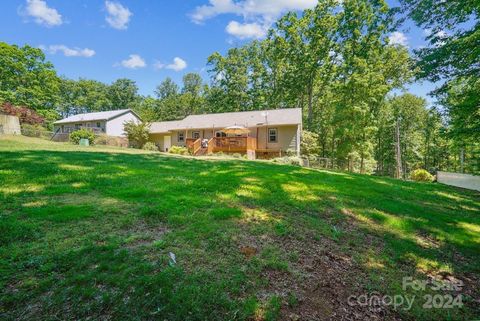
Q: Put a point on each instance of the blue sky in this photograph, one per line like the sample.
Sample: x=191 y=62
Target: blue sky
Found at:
x=149 y=40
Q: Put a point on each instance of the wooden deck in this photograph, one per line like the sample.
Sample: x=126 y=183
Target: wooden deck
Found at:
x=240 y=145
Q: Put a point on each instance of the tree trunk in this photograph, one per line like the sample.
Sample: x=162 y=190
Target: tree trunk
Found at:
x=398 y=155
x=310 y=107
x=462 y=160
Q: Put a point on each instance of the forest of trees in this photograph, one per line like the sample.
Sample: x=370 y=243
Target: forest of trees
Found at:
x=335 y=62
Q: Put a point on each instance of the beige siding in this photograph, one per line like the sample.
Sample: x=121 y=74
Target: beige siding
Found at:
x=287 y=138
x=158 y=140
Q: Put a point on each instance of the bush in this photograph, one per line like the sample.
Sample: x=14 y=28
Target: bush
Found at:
x=309 y=143
x=35 y=131
x=110 y=140
x=290 y=160
x=421 y=175
x=137 y=133
x=150 y=146
x=237 y=155
x=24 y=114
x=179 y=150
x=80 y=134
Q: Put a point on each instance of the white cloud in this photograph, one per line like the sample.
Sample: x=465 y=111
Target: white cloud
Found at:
x=133 y=62
x=42 y=13
x=246 y=30
x=69 y=52
x=118 y=15
x=249 y=8
x=398 y=38
x=178 y=64
x=259 y=15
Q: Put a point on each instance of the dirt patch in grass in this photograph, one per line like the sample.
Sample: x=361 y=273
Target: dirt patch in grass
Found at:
x=328 y=279
x=141 y=233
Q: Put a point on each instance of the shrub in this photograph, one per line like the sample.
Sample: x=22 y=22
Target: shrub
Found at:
x=150 y=146
x=290 y=160
x=179 y=150
x=35 y=131
x=237 y=155
x=137 y=133
x=309 y=143
x=291 y=152
x=82 y=133
x=421 y=175
x=24 y=114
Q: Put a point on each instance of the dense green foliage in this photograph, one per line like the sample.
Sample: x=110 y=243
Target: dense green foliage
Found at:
x=85 y=233
x=82 y=133
x=26 y=79
x=336 y=62
x=453 y=56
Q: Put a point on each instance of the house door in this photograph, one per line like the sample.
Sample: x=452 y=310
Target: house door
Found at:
x=167 y=143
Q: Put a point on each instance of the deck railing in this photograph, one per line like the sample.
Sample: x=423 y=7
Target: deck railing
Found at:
x=234 y=144
x=68 y=130
x=223 y=144
x=189 y=143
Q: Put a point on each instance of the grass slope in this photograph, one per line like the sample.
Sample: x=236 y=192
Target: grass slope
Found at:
x=86 y=233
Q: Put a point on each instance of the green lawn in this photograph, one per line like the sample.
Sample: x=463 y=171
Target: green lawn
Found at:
x=86 y=232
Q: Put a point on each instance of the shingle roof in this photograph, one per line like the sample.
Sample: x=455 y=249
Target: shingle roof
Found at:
x=286 y=116
x=102 y=115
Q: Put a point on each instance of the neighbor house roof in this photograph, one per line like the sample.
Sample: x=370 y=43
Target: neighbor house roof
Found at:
x=286 y=116
x=102 y=115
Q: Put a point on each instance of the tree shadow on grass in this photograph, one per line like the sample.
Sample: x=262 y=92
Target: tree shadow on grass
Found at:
x=185 y=195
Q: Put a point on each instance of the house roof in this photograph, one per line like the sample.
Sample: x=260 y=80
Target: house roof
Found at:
x=102 y=115
x=286 y=116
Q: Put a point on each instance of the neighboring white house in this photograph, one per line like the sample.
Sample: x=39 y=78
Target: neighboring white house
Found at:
x=110 y=122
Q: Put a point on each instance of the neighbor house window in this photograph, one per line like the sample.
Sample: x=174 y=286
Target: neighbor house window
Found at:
x=195 y=135
x=272 y=135
x=181 y=137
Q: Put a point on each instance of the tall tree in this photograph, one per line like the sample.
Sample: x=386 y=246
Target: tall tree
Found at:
x=192 y=90
x=167 y=89
x=122 y=93
x=26 y=78
x=453 y=55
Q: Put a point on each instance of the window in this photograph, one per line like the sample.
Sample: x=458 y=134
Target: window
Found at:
x=272 y=135
x=220 y=134
x=98 y=125
x=195 y=135
x=181 y=137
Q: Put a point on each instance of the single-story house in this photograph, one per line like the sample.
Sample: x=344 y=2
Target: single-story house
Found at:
x=107 y=122
x=260 y=133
